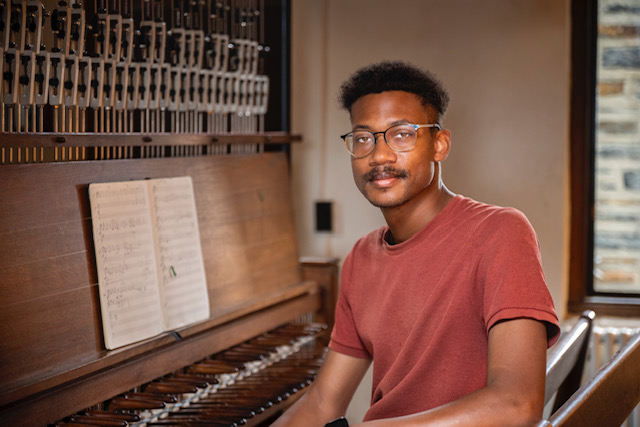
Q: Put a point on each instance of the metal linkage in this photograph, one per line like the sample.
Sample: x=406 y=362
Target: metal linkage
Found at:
x=148 y=66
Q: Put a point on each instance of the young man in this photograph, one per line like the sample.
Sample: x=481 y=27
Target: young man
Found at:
x=449 y=299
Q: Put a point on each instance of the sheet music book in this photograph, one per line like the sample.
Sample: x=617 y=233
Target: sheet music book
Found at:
x=151 y=275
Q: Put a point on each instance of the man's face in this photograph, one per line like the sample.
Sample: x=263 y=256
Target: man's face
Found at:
x=387 y=178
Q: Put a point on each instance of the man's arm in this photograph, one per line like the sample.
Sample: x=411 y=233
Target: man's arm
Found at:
x=514 y=394
x=329 y=395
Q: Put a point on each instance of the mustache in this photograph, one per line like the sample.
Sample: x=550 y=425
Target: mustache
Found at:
x=385 y=172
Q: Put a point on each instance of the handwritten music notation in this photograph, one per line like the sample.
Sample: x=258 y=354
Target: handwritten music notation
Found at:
x=151 y=274
x=181 y=267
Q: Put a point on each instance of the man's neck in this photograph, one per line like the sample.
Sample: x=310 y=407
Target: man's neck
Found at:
x=406 y=220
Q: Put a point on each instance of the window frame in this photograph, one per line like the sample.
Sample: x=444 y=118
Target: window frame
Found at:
x=584 y=33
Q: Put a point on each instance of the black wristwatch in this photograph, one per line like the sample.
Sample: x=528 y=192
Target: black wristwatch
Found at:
x=340 y=422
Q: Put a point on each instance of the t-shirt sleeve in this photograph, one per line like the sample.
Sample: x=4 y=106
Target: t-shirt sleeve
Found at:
x=510 y=271
x=344 y=337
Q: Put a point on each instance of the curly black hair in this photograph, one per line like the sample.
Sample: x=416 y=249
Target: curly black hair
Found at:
x=394 y=75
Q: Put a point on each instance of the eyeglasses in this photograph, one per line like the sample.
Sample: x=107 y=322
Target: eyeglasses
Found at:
x=400 y=138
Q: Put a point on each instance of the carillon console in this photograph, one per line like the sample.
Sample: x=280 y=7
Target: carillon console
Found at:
x=113 y=91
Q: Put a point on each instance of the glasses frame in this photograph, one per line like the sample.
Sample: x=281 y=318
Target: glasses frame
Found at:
x=384 y=136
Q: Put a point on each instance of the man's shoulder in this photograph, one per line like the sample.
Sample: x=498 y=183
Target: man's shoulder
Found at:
x=480 y=218
x=487 y=221
x=472 y=208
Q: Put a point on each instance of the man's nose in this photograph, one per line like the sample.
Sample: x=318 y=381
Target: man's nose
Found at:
x=381 y=153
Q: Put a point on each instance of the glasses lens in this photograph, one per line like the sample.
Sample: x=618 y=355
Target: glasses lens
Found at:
x=401 y=137
x=360 y=143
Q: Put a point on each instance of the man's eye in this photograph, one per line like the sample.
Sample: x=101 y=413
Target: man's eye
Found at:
x=402 y=134
x=362 y=138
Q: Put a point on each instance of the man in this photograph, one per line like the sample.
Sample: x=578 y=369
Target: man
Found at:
x=449 y=299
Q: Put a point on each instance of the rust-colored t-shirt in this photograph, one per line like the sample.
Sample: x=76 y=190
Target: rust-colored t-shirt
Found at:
x=422 y=309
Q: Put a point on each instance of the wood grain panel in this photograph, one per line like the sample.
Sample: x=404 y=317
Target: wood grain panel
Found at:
x=50 y=331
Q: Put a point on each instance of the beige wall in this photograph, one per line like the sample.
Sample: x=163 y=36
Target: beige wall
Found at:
x=506 y=65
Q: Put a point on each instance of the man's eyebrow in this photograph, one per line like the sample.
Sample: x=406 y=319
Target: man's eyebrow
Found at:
x=394 y=123
x=399 y=122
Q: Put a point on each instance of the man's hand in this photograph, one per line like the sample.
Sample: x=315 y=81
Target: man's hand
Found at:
x=329 y=395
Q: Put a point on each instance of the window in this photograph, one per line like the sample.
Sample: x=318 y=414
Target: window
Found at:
x=605 y=157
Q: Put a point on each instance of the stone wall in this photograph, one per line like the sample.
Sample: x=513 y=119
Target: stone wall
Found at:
x=617 y=179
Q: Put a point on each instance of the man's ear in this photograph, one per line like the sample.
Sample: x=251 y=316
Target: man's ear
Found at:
x=441 y=145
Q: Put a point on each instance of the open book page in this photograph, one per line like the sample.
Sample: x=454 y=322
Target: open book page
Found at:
x=183 y=285
x=126 y=262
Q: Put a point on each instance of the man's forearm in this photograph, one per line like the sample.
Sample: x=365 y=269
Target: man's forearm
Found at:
x=485 y=407
x=329 y=395
x=514 y=395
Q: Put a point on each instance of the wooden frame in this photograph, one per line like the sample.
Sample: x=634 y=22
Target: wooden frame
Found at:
x=565 y=361
x=609 y=396
x=583 y=77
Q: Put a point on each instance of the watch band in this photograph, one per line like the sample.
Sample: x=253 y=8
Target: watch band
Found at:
x=340 y=422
